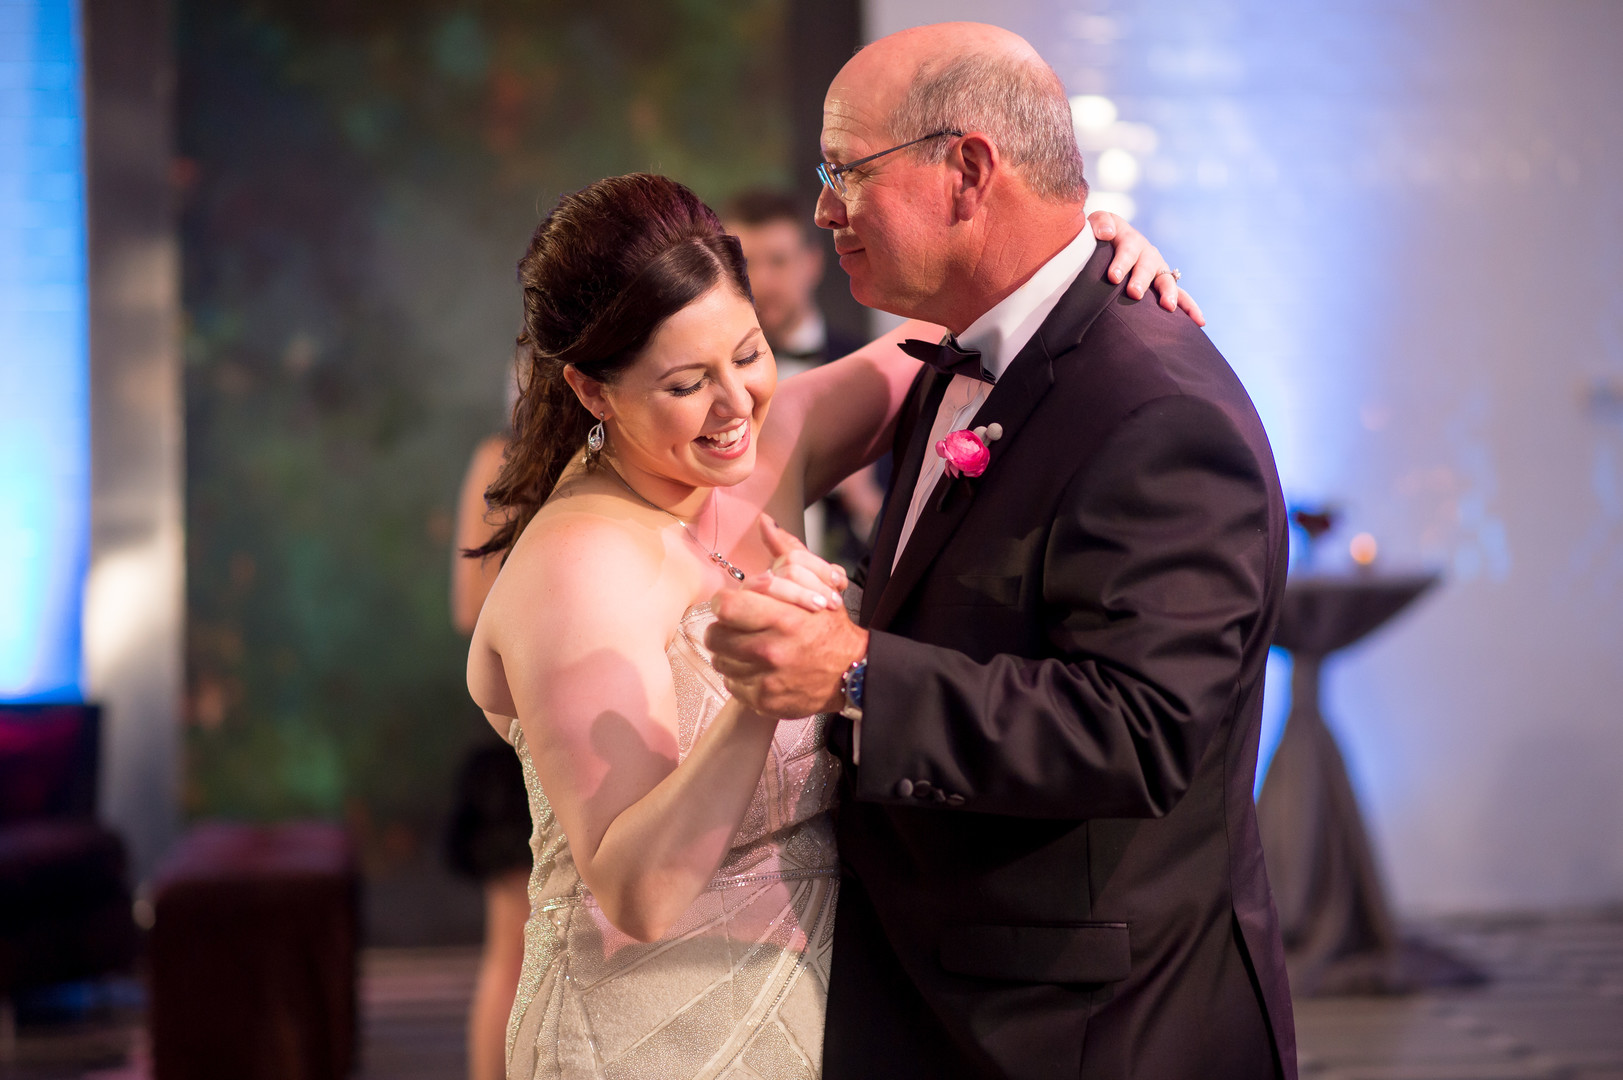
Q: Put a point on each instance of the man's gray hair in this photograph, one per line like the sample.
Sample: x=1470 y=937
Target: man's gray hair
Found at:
x=1020 y=103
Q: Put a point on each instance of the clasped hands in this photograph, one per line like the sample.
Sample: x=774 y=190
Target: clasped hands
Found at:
x=783 y=640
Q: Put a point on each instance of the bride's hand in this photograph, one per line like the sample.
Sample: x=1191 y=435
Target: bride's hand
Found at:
x=796 y=575
x=1136 y=254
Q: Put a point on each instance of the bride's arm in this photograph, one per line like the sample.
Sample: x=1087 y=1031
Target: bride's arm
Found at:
x=836 y=418
x=839 y=416
x=581 y=640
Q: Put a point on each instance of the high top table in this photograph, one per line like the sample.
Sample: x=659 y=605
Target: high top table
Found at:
x=1340 y=936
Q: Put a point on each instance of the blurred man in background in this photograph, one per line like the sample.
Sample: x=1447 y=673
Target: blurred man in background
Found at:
x=785 y=268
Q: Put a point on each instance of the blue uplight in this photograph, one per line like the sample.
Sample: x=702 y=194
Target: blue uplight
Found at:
x=44 y=352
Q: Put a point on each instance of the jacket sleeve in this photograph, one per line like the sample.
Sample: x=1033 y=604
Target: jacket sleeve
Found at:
x=1154 y=577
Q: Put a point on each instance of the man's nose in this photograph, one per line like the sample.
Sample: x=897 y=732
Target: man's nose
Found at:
x=830 y=212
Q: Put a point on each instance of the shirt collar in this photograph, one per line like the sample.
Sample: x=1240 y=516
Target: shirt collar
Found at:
x=1003 y=331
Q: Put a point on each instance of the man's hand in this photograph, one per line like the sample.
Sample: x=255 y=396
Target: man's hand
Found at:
x=778 y=657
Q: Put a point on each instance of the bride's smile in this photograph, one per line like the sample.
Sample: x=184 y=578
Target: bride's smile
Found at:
x=729 y=442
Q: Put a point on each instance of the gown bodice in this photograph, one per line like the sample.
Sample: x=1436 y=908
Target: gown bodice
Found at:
x=736 y=989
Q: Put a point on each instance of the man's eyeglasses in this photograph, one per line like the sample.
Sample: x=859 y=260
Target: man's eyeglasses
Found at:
x=834 y=175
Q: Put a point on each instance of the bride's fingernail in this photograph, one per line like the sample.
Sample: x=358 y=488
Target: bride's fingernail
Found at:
x=820 y=600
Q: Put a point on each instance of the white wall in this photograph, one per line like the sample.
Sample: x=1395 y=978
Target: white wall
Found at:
x=135 y=593
x=1405 y=223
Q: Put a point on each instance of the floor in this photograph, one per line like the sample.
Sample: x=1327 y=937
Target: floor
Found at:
x=1554 y=1011
x=414 y=1003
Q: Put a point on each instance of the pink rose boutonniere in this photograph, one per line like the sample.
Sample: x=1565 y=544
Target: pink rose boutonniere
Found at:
x=966 y=452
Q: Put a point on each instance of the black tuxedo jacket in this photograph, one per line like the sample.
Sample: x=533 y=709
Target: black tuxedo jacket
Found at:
x=1052 y=866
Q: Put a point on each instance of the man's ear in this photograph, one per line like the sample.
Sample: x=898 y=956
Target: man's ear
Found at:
x=588 y=390
x=976 y=160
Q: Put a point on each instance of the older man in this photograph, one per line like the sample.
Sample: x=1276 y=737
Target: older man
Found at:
x=1052 y=861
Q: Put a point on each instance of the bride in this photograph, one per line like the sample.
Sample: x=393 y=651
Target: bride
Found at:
x=682 y=897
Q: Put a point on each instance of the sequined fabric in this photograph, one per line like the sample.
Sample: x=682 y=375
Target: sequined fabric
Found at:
x=737 y=988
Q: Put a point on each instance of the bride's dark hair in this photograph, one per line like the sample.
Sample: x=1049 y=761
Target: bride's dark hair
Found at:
x=610 y=264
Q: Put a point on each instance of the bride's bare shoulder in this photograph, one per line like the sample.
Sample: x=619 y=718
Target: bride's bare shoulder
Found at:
x=565 y=586
x=584 y=580
x=584 y=551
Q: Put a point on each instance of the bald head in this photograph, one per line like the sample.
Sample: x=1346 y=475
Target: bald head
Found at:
x=957 y=170
x=969 y=77
x=908 y=49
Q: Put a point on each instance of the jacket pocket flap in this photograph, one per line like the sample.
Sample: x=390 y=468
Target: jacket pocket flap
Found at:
x=1084 y=953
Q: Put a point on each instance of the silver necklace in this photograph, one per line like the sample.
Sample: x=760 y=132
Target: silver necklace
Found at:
x=715 y=556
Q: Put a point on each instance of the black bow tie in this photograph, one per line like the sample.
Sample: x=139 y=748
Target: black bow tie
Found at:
x=948 y=357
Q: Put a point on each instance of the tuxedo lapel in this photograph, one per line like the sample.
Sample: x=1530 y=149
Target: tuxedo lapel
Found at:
x=905 y=478
x=1012 y=400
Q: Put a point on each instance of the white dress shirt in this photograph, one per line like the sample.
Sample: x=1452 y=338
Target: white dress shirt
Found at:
x=810 y=335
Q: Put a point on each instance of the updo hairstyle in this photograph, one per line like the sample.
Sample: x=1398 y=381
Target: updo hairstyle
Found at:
x=605 y=269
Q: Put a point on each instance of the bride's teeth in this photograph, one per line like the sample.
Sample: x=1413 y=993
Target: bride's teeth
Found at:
x=726 y=438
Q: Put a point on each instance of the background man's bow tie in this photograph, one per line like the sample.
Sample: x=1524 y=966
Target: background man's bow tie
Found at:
x=948 y=357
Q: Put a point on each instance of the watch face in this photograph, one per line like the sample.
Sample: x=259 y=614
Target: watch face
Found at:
x=851 y=683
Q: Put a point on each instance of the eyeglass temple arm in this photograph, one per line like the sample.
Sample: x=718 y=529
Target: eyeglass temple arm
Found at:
x=828 y=170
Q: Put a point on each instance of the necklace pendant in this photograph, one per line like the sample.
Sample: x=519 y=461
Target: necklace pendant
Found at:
x=738 y=575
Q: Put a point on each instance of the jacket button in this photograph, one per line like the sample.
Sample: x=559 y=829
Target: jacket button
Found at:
x=922 y=789
x=904 y=788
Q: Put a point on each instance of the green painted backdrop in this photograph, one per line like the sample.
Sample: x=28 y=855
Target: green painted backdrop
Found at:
x=357 y=181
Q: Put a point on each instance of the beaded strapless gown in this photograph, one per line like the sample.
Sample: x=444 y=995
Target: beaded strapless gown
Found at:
x=737 y=988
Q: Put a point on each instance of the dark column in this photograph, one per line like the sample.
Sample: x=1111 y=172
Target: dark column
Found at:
x=822 y=35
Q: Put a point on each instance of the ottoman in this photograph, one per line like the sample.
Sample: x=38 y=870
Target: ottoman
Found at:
x=253 y=954
x=64 y=903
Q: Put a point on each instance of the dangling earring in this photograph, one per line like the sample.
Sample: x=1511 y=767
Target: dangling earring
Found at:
x=594 y=440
